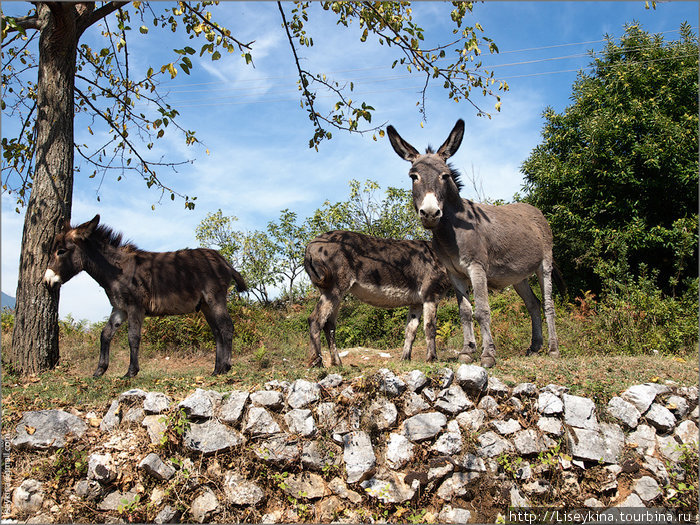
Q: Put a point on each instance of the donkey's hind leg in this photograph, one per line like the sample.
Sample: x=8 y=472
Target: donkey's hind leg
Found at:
x=136 y=316
x=116 y=319
x=466 y=314
x=325 y=310
x=544 y=274
x=533 y=307
x=221 y=326
x=414 y=313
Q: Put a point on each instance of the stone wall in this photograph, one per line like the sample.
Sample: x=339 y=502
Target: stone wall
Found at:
x=458 y=447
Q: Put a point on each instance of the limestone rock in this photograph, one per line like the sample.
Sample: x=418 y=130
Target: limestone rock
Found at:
x=391 y=488
x=579 y=412
x=305 y=486
x=200 y=404
x=660 y=417
x=624 y=412
x=204 y=506
x=473 y=379
x=358 y=455
x=232 y=407
x=300 y=421
x=47 y=429
x=549 y=404
x=29 y=496
x=156 y=403
x=415 y=380
x=492 y=445
x=210 y=437
x=101 y=468
x=424 y=426
x=240 y=491
x=389 y=384
x=156 y=467
x=260 y=423
x=399 y=451
x=271 y=399
x=303 y=393
x=453 y=400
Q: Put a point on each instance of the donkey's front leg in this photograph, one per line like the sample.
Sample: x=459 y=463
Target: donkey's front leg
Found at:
x=116 y=318
x=477 y=275
x=465 y=316
x=414 y=312
x=135 y=321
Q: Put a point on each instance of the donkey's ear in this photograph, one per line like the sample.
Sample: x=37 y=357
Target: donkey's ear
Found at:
x=452 y=143
x=401 y=147
x=84 y=231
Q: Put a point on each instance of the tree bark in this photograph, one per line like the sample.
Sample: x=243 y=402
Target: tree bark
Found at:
x=35 y=335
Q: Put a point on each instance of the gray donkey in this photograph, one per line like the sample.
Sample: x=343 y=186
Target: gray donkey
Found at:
x=482 y=245
x=140 y=283
x=388 y=273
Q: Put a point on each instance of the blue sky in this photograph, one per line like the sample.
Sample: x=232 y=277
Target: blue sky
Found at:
x=251 y=121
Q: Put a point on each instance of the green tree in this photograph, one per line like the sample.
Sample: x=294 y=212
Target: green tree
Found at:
x=617 y=171
x=290 y=240
x=71 y=78
x=364 y=211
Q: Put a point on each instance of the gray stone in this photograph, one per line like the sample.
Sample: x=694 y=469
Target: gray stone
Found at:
x=549 y=404
x=156 y=427
x=88 y=489
x=473 y=379
x=439 y=472
x=300 y=421
x=317 y=455
x=101 y=468
x=156 y=467
x=331 y=381
x=415 y=380
x=399 y=451
x=414 y=404
x=506 y=427
x=624 y=412
x=594 y=445
x=668 y=447
x=429 y=394
x=450 y=514
x=156 y=403
x=492 y=445
x=200 y=404
x=40 y=519
x=497 y=388
x=271 y=399
x=276 y=384
x=134 y=415
x=445 y=378
x=167 y=515
x=111 y=419
x=647 y=488
x=550 y=425
x=660 y=417
x=471 y=462
x=490 y=405
x=631 y=501
x=305 y=486
x=690 y=392
x=537 y=487
x=453 y=400
x=260 y=423
x=339 y=487
x=117 y=500
x=643 y=439
x=47 y=429
x=517 y=405
x=391 y=488
x=232 y=407
x=456 y=485
x=383 y=413
x=210 y=437
x=424 y=426
x=239 y=491
x=389 y=384
x=135 y=395
x=472 y=420
x=687 y=432
x=528 y=442
x=641 y=396
x=579 y=412
x=593 y=503
x=657 y=467
x=557 y=390
x=517 y=499
x=678 y=406
x=303 y=393
x=525 y=390
x=279 y=449
x=358 y=455
x=29 y=496
x=449 y=443
x=204 y=506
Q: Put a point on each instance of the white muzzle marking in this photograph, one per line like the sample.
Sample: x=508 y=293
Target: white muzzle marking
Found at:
x=429 y=210
x=51 y=278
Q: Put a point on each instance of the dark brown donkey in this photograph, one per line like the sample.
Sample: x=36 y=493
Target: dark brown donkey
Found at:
x=487 y=246
x=140 y=283
x=382 y=272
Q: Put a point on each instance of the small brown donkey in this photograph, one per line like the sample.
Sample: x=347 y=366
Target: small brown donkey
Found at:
x=485 y=246
x=140 y=283
x=388 y=273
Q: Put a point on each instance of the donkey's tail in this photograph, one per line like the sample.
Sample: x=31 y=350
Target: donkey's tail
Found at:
x=241 y=286
x=318 y=271
x=558 y=279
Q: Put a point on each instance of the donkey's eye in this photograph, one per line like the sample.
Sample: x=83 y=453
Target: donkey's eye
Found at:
x=446 y=176
x=414 y=177
x=61 y=251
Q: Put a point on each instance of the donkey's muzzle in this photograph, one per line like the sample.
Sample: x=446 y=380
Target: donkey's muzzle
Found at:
x=52 y=279
x=430 y=211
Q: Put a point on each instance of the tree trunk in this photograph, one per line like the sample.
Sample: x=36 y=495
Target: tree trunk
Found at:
x=35 y=335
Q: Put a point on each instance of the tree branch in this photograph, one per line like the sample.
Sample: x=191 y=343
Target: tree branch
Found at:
x=91 y=17
x=216 y=28
x=21 y=23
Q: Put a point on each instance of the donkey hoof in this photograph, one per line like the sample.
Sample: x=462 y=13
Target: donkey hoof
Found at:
x=99 y=372
x=220 y=370
x=554 y=354
x=130 y=373
x=337 y=362
x=532 y=351
x=488 y=362
x=316 y=362
x=465 y=358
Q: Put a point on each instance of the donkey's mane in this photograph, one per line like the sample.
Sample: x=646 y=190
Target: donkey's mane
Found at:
x=107 y=236
x=454 y=173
